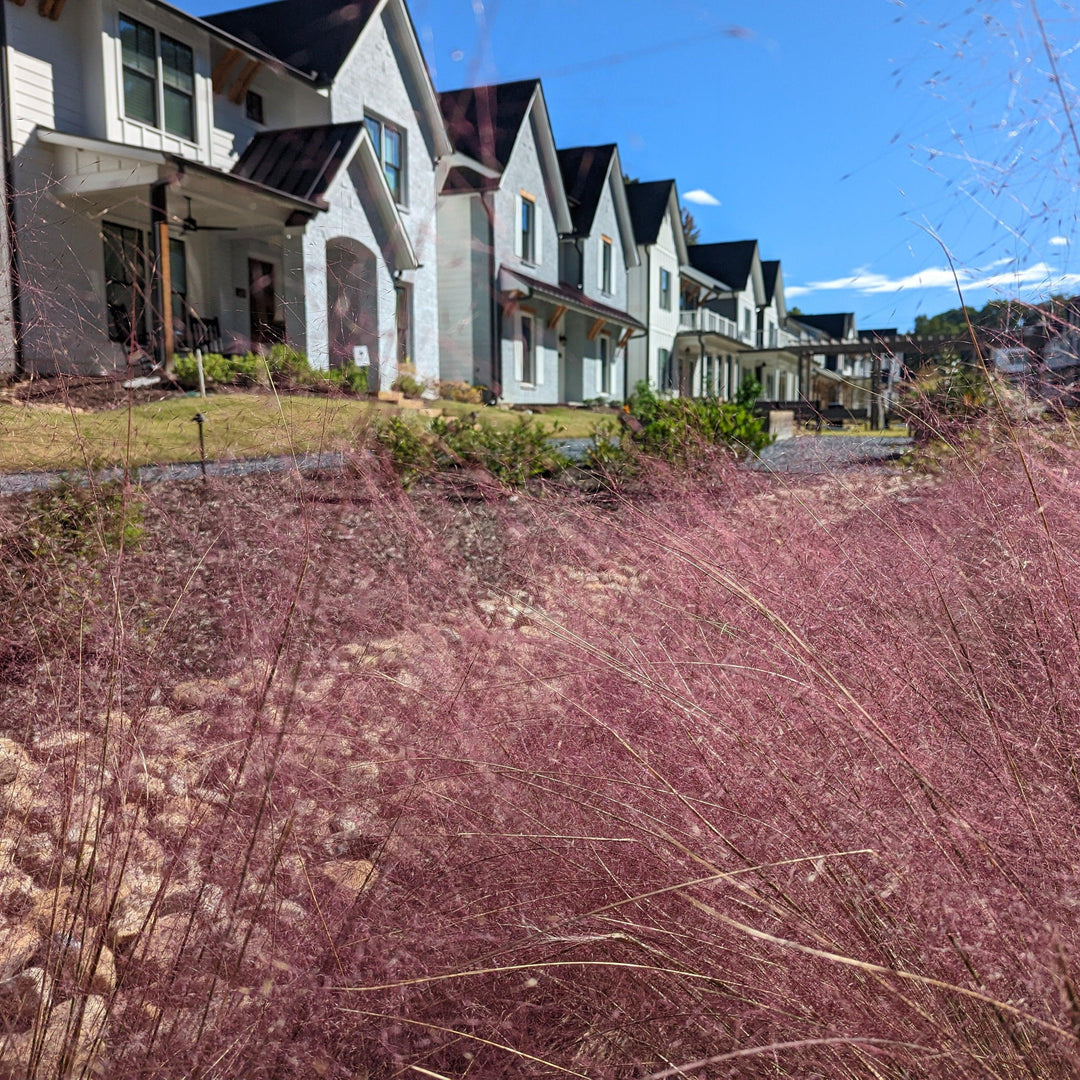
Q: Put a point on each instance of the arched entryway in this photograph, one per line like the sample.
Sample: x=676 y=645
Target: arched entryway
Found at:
x=351 y=303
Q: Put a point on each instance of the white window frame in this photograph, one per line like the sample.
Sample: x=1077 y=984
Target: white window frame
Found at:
x=527 y=356
x=159 y=82
x=527 y=244
x=607 y=265
x=665 y=294
x=401 y=197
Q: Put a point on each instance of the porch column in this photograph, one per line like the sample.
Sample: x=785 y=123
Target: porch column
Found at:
x=161 y=303
x=293 y=290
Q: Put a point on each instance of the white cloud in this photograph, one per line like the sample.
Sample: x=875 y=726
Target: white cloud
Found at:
x=1040 y=276
x=1059 y=241
x=700 y=197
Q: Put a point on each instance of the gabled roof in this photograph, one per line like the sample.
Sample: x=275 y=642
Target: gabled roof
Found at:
x=312 y=35
x=731 y=262
x=774 y=286
x=463 y=178
x=735 y=262
x=837 y=326
x=585 y=171
x=484 y=124
x=648 y=205
x=484 y=121
x=510 y=280
x=305 y=162
x=299 y=161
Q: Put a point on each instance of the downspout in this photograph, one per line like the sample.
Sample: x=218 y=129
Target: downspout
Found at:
x=8 y=150
x=496 y=307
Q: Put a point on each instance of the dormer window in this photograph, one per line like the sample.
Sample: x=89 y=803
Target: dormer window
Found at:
x=159 y=79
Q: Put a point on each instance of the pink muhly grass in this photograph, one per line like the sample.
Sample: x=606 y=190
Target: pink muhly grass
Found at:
x=740 y=772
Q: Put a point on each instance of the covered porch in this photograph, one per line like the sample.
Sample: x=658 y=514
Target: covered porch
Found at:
x=172 y=256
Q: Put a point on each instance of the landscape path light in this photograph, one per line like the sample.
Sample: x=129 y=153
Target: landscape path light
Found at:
x=199 y=419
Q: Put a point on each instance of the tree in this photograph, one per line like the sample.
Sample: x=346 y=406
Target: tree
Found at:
x=690 y=228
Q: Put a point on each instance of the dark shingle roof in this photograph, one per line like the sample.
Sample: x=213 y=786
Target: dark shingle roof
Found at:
x=584 y=170
x=648 y=205
x=730 y=262
x=311 y=35
x=770 y=271
x=483 y=121
x=836 y=325
x=874 y=335
x=301 y=162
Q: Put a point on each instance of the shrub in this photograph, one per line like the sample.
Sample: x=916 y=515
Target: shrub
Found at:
x=288 y=364
x=678 y=429
x=216 y=369
x=408 y=383
x=512 y=454
x=352 y=377
x=461 y=391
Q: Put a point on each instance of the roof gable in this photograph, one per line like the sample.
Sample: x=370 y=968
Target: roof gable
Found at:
x=837 y=325
x=483 y=122
x=587 y=172
x=312 y=35
x=649 y=202
x=736 y=262
x=774 y=286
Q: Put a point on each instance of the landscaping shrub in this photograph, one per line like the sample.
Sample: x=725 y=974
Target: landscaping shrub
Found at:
x=511 y=454
x=408 y=383
x=678 y=429
x=450 y=390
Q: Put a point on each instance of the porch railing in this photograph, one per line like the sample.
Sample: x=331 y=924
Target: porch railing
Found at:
x=705 y=321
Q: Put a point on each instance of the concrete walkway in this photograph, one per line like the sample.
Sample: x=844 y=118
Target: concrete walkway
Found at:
x=830 y=453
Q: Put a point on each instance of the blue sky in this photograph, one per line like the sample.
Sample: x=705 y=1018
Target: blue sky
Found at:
x=842 y=134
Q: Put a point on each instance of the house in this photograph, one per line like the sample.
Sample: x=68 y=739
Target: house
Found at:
x=653 y=287
x=265 y=175
x=834 y=375
x=722 y=287
x=594 y=260
x=508 y=318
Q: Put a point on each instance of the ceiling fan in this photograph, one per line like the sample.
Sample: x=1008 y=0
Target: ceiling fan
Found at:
x=190 y=225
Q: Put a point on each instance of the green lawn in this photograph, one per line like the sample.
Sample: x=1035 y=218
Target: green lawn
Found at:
x=237 y=425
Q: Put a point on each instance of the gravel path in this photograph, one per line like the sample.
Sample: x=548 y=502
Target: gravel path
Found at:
x=17 y=483
x=830 y=453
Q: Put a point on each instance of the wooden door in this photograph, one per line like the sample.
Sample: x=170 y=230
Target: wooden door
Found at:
x=261 y=301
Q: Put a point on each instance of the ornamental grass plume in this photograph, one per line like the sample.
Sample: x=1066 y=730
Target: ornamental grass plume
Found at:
x=724 y=778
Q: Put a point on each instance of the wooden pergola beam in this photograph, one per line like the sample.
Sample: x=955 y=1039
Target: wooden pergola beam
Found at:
x=557 y=317
x=625 y=339
x=594 y=331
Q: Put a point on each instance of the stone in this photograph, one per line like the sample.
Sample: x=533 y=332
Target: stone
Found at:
x=14 y=761
x=88 y=967
x=36 y=853
x=18 y=944
x=151 y=791
x=159 y=946
x=22 y=996
x=70 y=1042
x=198 y=693
x=16 y=890
x=113 y=722
x=352 y=875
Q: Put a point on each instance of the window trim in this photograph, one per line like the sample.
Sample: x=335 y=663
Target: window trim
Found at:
x=159 y=124
x=528 y=356
x=528 y=239
x=607 y=265
x=665 y=293
x=401 y=196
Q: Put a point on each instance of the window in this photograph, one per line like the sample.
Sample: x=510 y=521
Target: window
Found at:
x=159 y=79
x=665 y=289
x=253 y=107
x=125 y=283
x=667 y=369
x=605 y=365
x=179 y=285
x=528 y=229
x=606 y=259
x=389 y=143
x=747 y=328
x=528 y=350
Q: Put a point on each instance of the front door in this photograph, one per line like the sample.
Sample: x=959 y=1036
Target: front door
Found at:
x=264 y=332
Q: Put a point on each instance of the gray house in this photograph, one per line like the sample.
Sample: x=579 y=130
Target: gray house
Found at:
x=267 y=175
x=508 y=317
x=654 y=297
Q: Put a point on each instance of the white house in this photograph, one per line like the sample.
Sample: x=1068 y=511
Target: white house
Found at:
x=595 y=258
x=503 y=209
x=267 y=175
x=654 y=285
